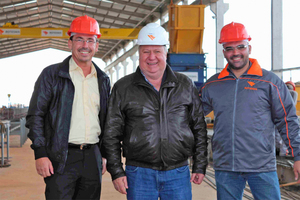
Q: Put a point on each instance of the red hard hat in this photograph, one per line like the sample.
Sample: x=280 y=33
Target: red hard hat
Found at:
x=85 y=24
x=233 y=32
x=292 y=84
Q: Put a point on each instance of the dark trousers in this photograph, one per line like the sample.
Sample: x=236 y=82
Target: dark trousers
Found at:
x=81 y=177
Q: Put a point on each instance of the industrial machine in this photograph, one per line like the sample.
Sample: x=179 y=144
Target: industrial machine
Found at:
x=186 y=26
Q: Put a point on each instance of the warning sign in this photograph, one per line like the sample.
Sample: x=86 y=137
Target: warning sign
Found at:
x=191 y=75
x=10 y=31
x=52 y=33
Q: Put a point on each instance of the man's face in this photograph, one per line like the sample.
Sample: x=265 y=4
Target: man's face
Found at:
x=84 y=47
x=152 y=60
x=237 y=54
x=289 y=86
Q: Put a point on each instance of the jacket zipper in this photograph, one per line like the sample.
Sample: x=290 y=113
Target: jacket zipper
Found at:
x=233 y=124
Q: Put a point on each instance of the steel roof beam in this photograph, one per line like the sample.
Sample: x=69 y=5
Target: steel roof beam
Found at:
x=14 y=3
x=128 y=3
x=64 y=5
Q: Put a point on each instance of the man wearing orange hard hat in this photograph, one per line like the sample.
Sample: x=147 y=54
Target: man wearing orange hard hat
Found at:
x=66 y=118
x=248 y=103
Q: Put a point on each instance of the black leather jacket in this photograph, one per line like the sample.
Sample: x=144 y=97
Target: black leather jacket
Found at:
x=50 y=111
x=157 y=131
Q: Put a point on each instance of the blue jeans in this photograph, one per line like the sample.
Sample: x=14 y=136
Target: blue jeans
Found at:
x=264 y=185
x=149 y=184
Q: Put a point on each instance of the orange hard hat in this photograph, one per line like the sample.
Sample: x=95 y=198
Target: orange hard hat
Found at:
x=85 y=24
x=233 y=32
x=292 y=84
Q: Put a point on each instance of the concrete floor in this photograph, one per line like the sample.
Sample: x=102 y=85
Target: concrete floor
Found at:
x=21 y=182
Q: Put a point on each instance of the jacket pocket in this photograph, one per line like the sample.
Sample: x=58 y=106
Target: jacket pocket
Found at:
x=266 y=143
x=182 y=169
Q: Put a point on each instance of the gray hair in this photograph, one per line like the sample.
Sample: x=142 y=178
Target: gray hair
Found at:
x=165 y=47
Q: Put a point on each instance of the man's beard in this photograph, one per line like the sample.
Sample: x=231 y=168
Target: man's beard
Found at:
x=231 y=66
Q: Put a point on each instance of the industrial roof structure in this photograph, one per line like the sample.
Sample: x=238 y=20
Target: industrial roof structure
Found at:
x=110 y=14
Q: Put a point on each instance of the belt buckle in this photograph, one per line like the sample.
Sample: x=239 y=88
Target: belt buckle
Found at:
x=82 y=146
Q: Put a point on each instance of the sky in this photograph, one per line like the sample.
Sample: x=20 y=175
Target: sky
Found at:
x=256 y=16
x=19 y=73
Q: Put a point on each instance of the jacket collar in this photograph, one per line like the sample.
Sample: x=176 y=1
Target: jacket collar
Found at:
x=255 y=69
x=170 y=81
x=64 y=69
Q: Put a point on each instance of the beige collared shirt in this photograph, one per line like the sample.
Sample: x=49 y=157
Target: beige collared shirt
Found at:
x=85 y=125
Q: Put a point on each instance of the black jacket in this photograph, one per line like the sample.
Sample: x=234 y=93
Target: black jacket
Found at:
x=157 y=131
x=50 y=111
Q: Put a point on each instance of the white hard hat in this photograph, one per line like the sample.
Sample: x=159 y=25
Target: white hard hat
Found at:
x=153 y=34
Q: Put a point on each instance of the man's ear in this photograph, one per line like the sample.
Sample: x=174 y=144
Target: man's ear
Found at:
x=97 y=47
x=70 y=44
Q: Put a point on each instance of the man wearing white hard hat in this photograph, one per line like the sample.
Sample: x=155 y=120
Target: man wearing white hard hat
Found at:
x=154 y=117
x=66 y=118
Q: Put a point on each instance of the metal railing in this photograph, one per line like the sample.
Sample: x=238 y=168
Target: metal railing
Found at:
x=4 y=131
x=18 y=128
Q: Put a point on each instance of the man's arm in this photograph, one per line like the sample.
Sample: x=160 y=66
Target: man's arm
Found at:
x=104 y=96
x=286 y=121
x=197 y=178
x=104 y=161
x=113 y=135
x=198 y=127
x=103 y=112
x=205 y=101
x=38 y=108
x=44 y=167
x=297 y=170
x=121 y=185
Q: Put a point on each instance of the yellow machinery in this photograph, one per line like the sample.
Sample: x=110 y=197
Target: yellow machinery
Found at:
x=186 y=26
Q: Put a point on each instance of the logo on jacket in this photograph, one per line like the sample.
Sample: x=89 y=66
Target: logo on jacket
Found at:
x=151 y=37
x=251 y=86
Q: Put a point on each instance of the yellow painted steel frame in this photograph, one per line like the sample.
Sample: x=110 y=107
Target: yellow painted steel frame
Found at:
x=106 y=33
x=186 y=26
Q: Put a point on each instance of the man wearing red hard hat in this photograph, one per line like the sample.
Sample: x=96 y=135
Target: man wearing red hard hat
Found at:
x=66 y=118
x=248 y=103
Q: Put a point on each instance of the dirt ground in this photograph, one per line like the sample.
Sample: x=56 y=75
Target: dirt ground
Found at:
x=21 y=182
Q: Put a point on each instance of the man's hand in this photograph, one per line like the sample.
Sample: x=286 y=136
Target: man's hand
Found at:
x=297 y=170
x=44 y=167
x=103 y=165
x=197 y=178
x=121 y=184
